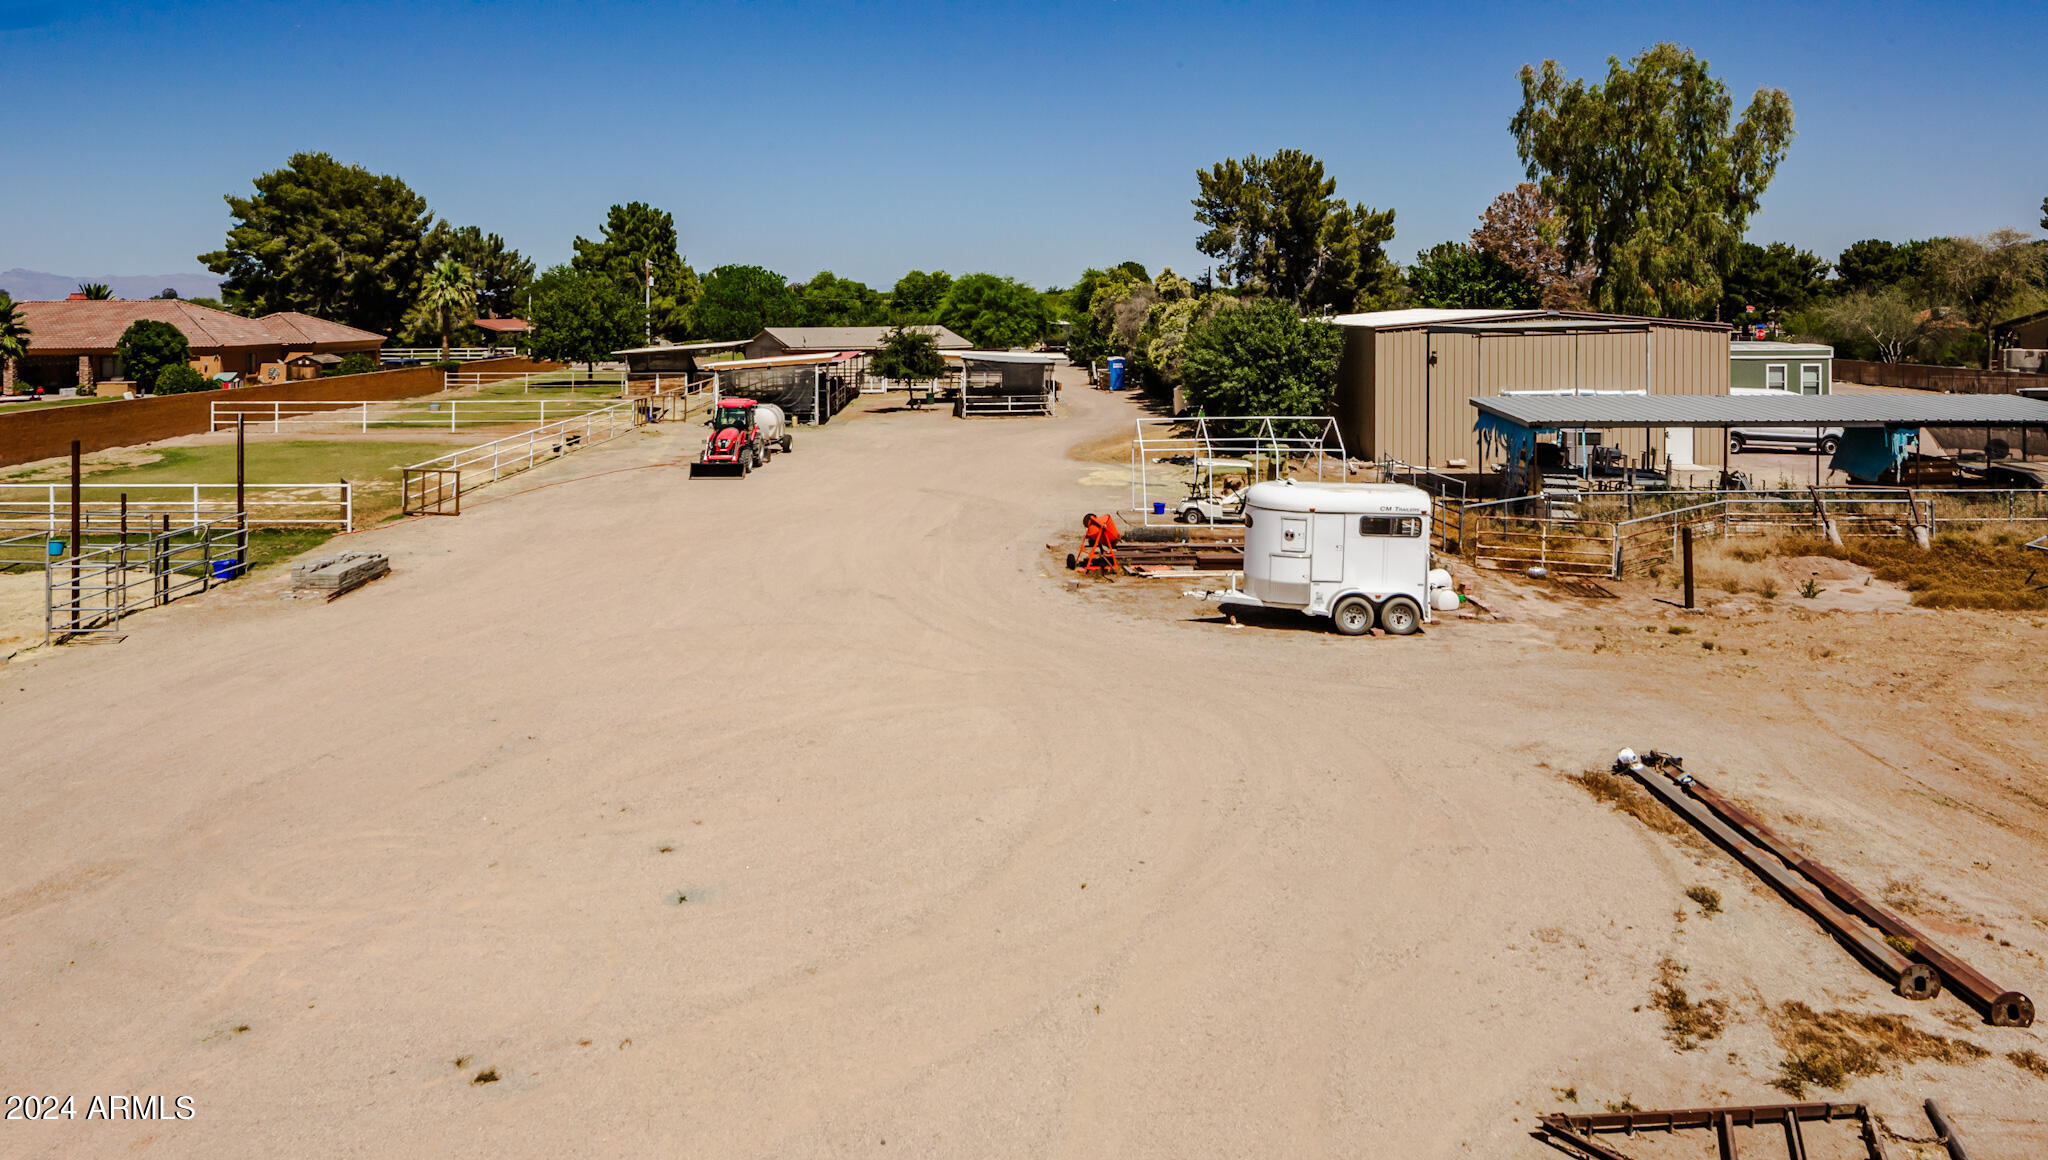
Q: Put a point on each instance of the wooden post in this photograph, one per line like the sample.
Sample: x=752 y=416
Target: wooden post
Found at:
x=1685 y=547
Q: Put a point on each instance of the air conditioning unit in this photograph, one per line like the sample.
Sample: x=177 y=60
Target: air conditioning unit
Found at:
x=2019 y=358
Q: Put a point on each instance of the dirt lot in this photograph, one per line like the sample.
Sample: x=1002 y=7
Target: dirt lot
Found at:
x=819 y=814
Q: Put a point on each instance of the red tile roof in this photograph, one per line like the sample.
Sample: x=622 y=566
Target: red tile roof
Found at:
x=295 y=329
x=72 y=327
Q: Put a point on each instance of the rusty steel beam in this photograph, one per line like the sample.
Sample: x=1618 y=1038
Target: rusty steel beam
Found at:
x=1578 y=1130
x=2001 y=1007
x=1910 y=979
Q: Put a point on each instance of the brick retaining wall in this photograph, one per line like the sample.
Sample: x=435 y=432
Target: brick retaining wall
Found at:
x=44 y=434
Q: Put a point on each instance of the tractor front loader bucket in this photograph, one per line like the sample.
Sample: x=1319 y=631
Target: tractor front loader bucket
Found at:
x=732 y=469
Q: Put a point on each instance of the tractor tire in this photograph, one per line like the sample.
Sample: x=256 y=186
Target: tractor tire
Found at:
x=1401 y=616
x=1352 y=616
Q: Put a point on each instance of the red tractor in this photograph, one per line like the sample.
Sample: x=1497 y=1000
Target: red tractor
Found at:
x=744 y=434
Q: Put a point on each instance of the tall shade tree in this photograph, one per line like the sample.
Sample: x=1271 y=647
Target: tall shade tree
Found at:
x=579 y=316
x=95 y=291
x=148 y=348
x=1873 y=264
x=917 y=295
x=1654 y=185
x=1520 y=229
x=994 y=313
x=503 y=275
x=1986 y=276
x=332 y=240
x=829 y=300
x=1260 y=358
x=448 y=296
x=1276 y=227
x=638 y=239
x=14 y=336
x=1777 y=277
x=1885 y=318
x=909 y=354
x=1459 y=276
x=741 y=301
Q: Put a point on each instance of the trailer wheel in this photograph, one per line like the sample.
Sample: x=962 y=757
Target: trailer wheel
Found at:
x=1352 y=616
x=1400 y=616
x=787 y=441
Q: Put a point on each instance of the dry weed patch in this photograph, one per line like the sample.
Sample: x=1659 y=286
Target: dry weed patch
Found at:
x=1826 y=1049
x=1687 y=1024
x=1629 y=798
x=2030 y=1061
x=1989 y=569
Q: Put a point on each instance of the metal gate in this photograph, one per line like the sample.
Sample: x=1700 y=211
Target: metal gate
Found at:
x=432 y=491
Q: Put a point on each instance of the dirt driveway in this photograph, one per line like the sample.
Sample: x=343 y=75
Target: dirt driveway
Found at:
x=809 y=815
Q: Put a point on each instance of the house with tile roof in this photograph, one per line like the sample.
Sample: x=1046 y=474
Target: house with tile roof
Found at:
x=74 y=342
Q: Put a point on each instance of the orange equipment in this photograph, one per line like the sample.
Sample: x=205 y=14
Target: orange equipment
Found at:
x=1099 y=539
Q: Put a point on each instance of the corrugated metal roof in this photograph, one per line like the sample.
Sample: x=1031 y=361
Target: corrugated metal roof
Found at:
x=853 y=337
x=1415 y=316
x=1805 y=349
x=1002 y=356
x=1432 y=318
x=1928 y=410
x=733 y=344
x=780 y=360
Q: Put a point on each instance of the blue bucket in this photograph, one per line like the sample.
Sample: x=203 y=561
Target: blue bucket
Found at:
x=225 y=569
x=1158 y=509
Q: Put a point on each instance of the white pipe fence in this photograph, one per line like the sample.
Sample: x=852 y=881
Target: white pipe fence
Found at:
x=436 y=486
x=542 y=380
x=45 y=508
x=393 y=354
x=281 y=415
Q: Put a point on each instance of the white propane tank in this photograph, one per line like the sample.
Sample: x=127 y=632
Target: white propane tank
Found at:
x=768 y=420
x=1439 y=578
x=1443 y=600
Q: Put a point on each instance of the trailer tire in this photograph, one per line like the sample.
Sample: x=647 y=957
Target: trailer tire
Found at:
x=787 y=442
x=1400 y=616
x=1352 y=616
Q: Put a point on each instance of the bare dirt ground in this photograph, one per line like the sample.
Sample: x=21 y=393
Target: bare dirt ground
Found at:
x=817 y=814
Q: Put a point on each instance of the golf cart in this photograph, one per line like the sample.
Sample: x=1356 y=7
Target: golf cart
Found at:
x=1204 y=504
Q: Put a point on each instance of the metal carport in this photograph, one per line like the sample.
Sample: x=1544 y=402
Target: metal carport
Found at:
x=1878 y=430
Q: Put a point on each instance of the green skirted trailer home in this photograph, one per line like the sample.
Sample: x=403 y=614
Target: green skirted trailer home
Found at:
x=1797 y=368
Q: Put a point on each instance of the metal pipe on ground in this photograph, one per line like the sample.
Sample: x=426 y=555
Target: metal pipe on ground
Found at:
x=1945 y=1133
x=1910 y=979
x=2001 y=1007
x=1578 y=1131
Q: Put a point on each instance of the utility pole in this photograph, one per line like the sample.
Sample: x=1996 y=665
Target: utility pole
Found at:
x=647 y=308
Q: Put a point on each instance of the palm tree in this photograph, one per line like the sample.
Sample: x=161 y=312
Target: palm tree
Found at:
x=96 y=291
x=449 y=288
x=13 y=339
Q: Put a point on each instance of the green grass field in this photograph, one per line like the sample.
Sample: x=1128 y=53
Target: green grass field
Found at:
x=296 y=461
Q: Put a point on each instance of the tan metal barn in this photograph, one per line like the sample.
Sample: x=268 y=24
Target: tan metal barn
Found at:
x=1405 y=378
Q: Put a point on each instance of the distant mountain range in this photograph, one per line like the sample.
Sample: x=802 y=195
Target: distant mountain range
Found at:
x=36 y=286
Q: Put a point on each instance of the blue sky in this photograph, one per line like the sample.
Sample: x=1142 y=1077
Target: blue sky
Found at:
x=1029 y=139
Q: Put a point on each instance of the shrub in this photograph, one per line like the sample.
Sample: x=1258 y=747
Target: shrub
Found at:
x=446 y=365
x=148 y=348
x=356 y=363
x=1261 y=358
x=181 y=380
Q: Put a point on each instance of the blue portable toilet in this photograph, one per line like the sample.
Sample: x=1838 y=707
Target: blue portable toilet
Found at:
x=1116 y=372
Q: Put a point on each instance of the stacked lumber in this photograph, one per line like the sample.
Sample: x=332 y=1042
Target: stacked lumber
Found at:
x=332 y=576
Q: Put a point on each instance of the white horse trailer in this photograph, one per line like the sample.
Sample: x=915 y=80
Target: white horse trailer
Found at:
x=1357 y=553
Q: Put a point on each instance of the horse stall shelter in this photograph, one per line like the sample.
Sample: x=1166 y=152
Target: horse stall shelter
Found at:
x=810 y=388
x=1406 y=378
x=1004 y=382
x=777 y=341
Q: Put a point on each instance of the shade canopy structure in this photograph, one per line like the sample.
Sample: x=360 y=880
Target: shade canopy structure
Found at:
x=810 y=388
x=1878 y=431
x=1004 y=382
